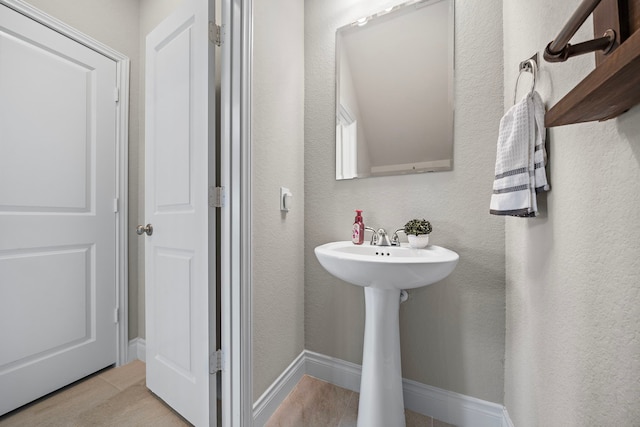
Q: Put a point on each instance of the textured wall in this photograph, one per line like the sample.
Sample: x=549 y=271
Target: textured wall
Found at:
x=573 y=274
x=115 y=24
x=278 y=160
x=452 y=332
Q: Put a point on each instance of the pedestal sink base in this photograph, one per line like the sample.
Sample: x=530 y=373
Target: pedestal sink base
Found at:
x=383 y=272
x=381 y=402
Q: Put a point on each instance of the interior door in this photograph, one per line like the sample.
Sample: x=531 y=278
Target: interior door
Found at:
x=179 y=264
x=57 y=219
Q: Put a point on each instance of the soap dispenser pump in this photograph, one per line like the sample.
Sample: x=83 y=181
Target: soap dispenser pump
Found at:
x=357 y=234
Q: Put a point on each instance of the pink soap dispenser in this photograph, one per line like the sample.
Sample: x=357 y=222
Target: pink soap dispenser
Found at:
x=357 y=235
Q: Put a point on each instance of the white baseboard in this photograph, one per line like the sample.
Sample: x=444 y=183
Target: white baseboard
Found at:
x=335 y=371
x=137 y=350
x=450 y=407
x=267 y=404
x=506 y=420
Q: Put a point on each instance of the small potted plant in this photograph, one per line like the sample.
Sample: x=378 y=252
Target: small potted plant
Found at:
x=417 y=231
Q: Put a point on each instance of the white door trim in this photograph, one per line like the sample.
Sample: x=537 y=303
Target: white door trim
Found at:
x=122 y=141
x=235 y=125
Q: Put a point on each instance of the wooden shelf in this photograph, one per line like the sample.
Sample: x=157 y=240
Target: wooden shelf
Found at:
x=610 y=90
x=614 y=86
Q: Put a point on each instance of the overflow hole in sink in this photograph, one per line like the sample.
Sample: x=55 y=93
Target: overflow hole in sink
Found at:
x=404 y=295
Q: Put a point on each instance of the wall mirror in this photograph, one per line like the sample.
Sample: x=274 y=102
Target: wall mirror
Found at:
x=394 y=91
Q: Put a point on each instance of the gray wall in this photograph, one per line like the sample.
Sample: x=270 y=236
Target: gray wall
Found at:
x=573 y=274
x=452 y=332
x=278 y=160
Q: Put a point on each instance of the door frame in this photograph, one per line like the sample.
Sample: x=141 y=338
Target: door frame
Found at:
x=236 y=271
x=235 y=215
x=122 y=144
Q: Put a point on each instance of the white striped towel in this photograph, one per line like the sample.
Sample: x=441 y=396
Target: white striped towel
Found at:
x=520 y=160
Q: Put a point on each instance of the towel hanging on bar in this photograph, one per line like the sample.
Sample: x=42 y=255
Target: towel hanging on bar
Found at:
x=520 y=159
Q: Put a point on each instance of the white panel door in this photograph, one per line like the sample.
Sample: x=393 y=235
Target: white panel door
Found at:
x=57 y=220
x=179 y=149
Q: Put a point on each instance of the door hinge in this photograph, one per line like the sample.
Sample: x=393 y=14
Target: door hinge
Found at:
x=215 y=362
x=116 y=315
x=215 y=33
x=216 y=197
x=116 y=205
x=116 y=94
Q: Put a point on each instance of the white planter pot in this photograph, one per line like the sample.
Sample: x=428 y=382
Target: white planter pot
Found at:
x=419 y=241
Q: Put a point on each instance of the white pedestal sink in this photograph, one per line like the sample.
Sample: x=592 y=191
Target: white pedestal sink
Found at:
x=384 y=271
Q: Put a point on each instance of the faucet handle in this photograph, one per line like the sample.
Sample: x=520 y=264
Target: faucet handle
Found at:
x=374 y=236
x=395 y=239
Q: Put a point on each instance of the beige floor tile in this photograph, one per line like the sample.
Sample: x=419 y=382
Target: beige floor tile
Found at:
x=135 y=406
x=119 y=397
x=414 y=419
x=438 y=423
x=323 y=403
x=350 y=416
x=312 y=403
x=126 y=375
x=60 y=408
x=315 y=403
x=115 y=397
x=288 y=414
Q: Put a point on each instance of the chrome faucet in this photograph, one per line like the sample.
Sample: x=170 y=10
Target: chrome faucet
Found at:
x=383 y=238
x=395 y=240
x=380 y=237
x=374 y=236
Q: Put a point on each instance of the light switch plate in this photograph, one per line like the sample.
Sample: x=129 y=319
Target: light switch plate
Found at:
x=285 y=199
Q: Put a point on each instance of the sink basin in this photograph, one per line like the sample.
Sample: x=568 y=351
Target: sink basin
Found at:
x=386 y=267
x=383 y=271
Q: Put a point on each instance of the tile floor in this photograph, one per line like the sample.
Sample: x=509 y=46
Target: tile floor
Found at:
x=119 y=397
x=112 y=397
x=315 y=403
